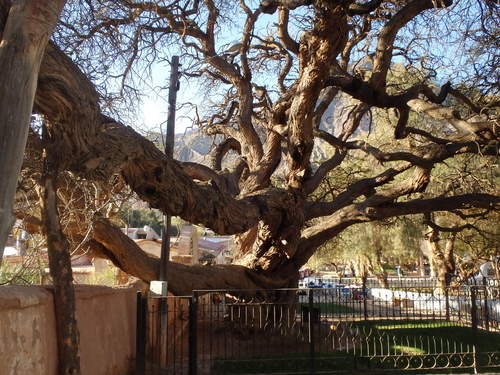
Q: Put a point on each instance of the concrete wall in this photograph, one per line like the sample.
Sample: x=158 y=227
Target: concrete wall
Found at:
x=106 y=320
x=27 y=334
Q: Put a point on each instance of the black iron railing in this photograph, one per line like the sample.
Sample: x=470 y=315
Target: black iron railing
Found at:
x=342 y=328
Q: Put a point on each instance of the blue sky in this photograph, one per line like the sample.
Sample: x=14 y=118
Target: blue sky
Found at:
x=153 y=110
x=154 y=107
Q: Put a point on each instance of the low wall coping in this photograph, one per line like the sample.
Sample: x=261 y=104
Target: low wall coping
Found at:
x=23 y=296
x=84 y=291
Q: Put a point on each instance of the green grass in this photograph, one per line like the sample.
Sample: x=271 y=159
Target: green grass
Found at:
x=408 y=349
x=419 y=324
x=484 y=341
x=389 y=268
x=407 y=338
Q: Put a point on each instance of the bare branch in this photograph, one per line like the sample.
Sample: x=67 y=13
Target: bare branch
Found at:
x=202 y=173
x=364 y=186
x=119 y=149
x=385 y=44
x=456 y=229
x=222 y=149
x=332 y=225
x=283 y=34
x=466 y=129
x=315 y=180
x=270 y=6
x=378 y=97
x=418 y=206
x=356 y=9
x=374 y=151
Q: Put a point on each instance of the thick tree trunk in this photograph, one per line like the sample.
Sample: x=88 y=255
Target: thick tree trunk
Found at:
x=62 y=278
x=110 y=242
x=449 y=257
x=100 y=147
x=382 y=278
x=443 y=262
x=378 y=269
x=28 y=26
x=421 y=263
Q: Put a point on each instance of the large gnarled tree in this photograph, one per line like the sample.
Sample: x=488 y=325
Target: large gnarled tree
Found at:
x=344 y=53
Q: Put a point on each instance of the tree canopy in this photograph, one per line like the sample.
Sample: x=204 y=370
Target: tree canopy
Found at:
x=278 y=79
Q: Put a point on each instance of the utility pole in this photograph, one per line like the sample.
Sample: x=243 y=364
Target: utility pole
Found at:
x=159 y=288
x=169 y=151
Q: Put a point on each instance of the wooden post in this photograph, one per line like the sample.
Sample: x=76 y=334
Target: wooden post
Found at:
x=169 y=151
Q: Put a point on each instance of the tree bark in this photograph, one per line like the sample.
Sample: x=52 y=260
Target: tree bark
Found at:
x=421 y=263
x=278 y=240
x=443 y=262
x=62 y=278
x=110 y=242
x=449 y=257
x=378 y=270
x=59 y=265
x=28 y=26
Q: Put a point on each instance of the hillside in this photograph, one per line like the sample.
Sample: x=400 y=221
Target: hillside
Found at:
x=195 y=147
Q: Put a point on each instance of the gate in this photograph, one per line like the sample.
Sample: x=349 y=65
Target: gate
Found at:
x=306 y=331
x=165 y=334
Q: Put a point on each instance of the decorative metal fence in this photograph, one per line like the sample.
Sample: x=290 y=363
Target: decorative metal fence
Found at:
x=344 y=329
x=392 y=282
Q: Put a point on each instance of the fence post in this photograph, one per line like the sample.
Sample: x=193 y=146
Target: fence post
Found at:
x=364 y=294
x=447 y=297
x=473 y=307
x=140 y=335
x=193 y=320
x=475 y=365
x=312 y=361
x=486 y=312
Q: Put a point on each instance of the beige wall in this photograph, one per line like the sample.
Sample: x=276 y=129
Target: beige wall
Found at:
x=27 y=337
x=106 y=320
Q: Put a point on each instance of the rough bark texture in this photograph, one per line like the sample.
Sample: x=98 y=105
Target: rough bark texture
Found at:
x=375 y=265
x=443 y=262
x=28 y=26
x=124 y=252
x=62 y=278
x=278 y=227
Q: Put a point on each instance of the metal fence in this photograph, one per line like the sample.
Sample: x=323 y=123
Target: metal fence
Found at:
x=317 y=330
x=395 y=281
x=403 y=282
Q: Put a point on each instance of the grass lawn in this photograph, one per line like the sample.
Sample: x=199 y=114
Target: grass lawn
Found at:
x=417 y=338
x=484 y=341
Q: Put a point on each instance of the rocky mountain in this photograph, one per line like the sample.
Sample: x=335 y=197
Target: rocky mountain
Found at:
x=195 y=147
